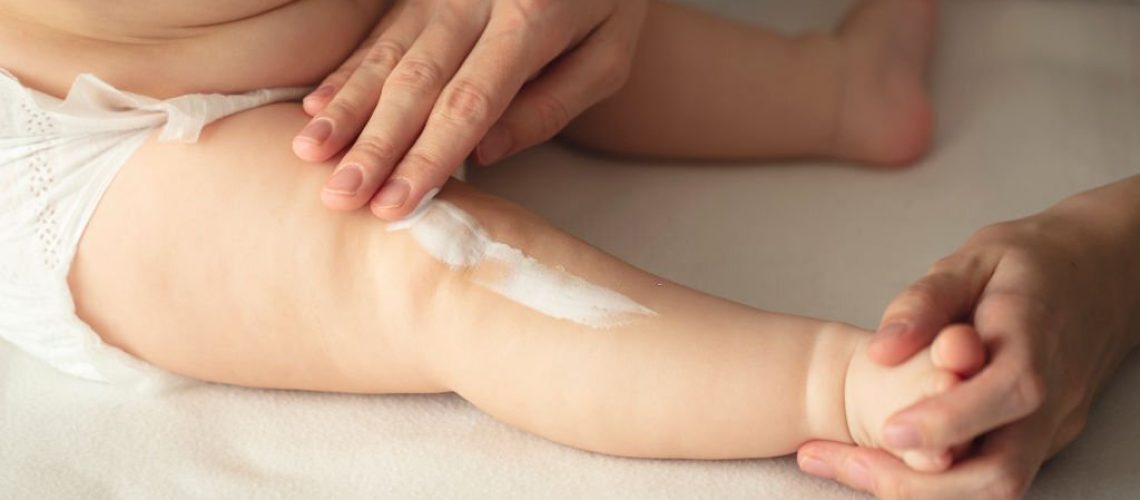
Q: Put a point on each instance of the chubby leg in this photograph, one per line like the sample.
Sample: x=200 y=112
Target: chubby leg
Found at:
x=706 y=87
x=215 y=260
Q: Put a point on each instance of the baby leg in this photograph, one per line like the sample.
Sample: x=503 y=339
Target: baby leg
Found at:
x=704 y=87
x=214 y=260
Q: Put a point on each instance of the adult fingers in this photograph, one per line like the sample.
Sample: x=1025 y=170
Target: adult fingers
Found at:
x=914 y=318
x=316 y=100
x=477 y=95
x=346 y=98
x=873 y=471
x=592 y=72
x=1003 y=468
x=320 y=97
x=1006 y=390
x=404 y=104
x=405 y=17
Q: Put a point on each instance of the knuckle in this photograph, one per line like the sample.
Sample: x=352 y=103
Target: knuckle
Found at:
x=1072 y=428
x=942 y=283
x=1035 y=226
x=1028 y=392
x=972 y=262
x=452 y=15
x=995 y=231
x=343 y=108
x=419 y=164
x=615 y=70
x=945 y=264
x=551 y=113
x=384 y=54
x=374 y=148
x=1019 y=253
x=922 y=294
x=532 y=10
x=995 y=237
x=467 y=103
x=1033 y=309
x=416 y=75
x=957 y=265
x=338 y=77
x=1010 y=483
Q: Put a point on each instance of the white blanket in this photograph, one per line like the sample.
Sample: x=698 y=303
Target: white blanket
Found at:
x=1036 y=100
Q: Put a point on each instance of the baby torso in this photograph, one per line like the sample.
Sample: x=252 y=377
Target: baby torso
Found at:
x=160 y=249
x=168 y=48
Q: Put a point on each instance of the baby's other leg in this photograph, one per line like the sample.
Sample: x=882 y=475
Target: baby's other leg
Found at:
x=705 y=87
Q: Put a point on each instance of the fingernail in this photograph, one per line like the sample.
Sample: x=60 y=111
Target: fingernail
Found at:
x=816 y=467
x=316 y=132
x=321 y=93
x=393 y=194
x=347 y=181
x=494 y=145
x=902 y=436
x=859 y=476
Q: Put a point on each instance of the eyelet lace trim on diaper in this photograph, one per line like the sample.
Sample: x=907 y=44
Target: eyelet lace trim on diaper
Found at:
x=57 y=157
x=40 y=179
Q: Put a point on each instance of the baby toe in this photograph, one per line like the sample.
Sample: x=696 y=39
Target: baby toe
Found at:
x=927 y=461
x=941 y=381
x=959 y=348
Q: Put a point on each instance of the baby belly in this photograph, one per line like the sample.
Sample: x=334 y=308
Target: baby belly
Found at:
x=294 y=45
x=159 y=52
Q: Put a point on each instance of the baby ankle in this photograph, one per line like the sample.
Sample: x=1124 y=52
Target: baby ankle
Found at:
x=826 y=404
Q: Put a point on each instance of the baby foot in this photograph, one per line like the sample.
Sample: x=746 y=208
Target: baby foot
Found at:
x=884 y=114
x=875 y=392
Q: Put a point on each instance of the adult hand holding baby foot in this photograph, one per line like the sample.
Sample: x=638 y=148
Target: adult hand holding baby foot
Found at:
x=439 y=79
x=1056 y=299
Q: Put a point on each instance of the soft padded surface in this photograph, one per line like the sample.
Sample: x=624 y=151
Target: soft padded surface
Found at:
x=1037 y=100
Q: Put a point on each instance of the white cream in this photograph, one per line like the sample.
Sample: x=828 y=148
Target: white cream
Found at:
x=451 y=235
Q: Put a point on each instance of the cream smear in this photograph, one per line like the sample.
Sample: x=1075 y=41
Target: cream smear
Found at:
x=454 y=237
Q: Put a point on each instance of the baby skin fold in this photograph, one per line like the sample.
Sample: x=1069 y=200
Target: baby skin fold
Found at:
x=214 y=260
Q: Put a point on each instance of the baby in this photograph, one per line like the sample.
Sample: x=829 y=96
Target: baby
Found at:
x=156 y=222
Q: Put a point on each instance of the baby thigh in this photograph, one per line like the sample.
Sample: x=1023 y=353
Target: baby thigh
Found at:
x=217 y=261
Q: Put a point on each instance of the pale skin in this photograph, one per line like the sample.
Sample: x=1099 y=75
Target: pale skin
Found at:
x=334 y=302
x=228 y=272
x=164 y=51
x=437 y=78
x=1056 y=299
x=419 y=108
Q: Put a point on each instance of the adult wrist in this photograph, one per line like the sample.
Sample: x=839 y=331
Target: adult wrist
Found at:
x=1110 y=216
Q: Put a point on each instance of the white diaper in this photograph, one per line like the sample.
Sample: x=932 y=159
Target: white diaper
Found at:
x=57 y=157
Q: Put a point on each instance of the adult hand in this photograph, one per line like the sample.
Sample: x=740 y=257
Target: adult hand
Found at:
x=438 y=78
x=1056 y=299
